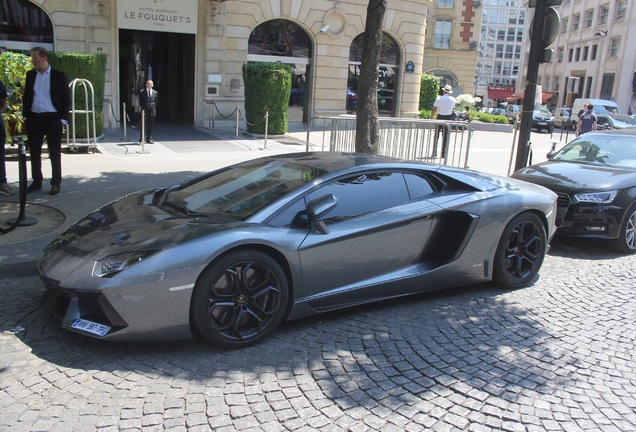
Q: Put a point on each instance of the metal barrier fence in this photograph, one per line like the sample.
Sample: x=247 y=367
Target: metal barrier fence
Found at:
x=401 y=138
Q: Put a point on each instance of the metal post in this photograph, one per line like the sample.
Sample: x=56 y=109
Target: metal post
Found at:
x=266 y=126
x=22 y=220
x=237 y=120
x=123 y=118
x=143 y=133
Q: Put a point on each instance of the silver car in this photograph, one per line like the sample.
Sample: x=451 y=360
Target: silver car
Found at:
x=231 y=254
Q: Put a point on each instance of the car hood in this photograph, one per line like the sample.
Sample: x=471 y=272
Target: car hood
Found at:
x=575 y=177
x=133 y=223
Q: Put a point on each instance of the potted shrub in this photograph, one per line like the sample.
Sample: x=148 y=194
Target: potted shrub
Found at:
x=13 y=69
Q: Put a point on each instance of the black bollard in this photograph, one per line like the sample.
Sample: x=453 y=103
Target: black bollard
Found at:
x=22 y=219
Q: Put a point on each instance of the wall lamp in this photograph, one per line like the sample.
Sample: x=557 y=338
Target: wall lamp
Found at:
x=476 y=3
x=600 y=33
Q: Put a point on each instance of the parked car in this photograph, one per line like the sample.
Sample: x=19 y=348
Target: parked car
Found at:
x=595 y=178
x=562 y=117
x=601 y=106
x=232 y=253
x=608 y=122
x=541 y=119
x=511 y=112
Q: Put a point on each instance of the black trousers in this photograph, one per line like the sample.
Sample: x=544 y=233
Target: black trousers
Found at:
x=38 y=126
x=444 y=130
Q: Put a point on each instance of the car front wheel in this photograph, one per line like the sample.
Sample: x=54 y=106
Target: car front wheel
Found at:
x=520 y=252
x=626 y=241
x=240 y=299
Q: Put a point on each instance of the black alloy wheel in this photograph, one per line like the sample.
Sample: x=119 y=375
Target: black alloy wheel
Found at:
x=520 y=252
x=240 y=299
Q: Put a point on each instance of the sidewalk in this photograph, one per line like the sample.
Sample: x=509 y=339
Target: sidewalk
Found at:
x=121 y=166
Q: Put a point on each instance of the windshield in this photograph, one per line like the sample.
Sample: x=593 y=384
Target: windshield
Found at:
x=624 y=121
x=602 y=149
x=241 y=190
x=543 y=111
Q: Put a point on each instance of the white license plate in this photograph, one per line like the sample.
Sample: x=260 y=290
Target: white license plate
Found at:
x=543 y=124
x=91 y=327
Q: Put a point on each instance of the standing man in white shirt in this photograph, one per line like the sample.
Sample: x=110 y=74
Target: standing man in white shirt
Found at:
x=45 y=107
x=148 y=103
x=443 y=110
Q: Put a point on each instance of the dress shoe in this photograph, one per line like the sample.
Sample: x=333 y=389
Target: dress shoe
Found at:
x=34 y=187
x=150 y=142
x=55 y=189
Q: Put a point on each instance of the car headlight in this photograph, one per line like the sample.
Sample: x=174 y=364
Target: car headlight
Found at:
x=596 y=197
x=111 y=265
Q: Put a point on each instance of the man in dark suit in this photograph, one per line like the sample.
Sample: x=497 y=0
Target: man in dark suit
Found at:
x=148 y=103
x=45 y=108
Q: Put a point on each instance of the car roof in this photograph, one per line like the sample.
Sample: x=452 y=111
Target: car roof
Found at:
x=628 y=132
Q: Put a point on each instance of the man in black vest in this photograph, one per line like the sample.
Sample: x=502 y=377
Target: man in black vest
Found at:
x=45 y=108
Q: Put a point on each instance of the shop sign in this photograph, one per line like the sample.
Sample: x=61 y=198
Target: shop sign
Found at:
x=175 y=16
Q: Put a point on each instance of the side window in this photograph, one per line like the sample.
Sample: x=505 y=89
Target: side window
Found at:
x=294 y=216
x=418 y=187
x=363 y=194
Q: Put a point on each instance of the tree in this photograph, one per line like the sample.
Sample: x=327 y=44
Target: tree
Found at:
x=367 y=117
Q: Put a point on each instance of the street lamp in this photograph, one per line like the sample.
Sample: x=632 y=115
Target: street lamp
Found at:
x=600 y=34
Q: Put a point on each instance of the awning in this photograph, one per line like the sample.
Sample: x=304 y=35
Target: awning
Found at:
x=545 y=96
x=499 y=93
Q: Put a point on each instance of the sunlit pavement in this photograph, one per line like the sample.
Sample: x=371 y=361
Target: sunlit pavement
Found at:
x=557 y=355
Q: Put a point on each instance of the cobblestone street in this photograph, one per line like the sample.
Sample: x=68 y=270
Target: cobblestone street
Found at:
x=555 y=356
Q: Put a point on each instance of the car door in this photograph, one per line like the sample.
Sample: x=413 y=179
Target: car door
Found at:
x=376 y=233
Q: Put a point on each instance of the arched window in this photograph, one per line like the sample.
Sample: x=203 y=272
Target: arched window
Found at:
x=284 y=41
x=24 y=25
x=388 y=73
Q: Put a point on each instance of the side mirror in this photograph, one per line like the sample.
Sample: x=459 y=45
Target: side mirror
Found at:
x=319 y=207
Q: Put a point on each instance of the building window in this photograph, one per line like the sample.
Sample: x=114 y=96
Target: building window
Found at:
x=586 y=52
x=588 y=87
x=594 y=51
x=603 y=12
x=564 y=25
x=576 y=20
x=560 y=53
x=546 y=86
x=557 y=83
x=442 y=34
x=509 y=51
x=445 y=4
x=577 y=55
x=570 y=55
x=621 y=6
x=607 y=85
x=500 y=51
x=615 y=44
x=589 y=18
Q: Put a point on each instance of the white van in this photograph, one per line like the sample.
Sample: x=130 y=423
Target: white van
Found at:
x=601 y=106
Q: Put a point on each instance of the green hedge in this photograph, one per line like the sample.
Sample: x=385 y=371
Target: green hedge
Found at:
x=429 y=90
x=267 y=88
x=91 y=67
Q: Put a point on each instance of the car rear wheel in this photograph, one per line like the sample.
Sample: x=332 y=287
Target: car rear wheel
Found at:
x=240 y=299
x=626 y=241
x=520 y=252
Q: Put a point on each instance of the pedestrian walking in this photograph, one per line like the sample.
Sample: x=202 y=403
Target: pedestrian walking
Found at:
x=45 y=108
x=587 y=123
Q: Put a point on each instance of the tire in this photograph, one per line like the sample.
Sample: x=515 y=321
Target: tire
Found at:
x=520 y=252
x=626 y=241
x=239 y=299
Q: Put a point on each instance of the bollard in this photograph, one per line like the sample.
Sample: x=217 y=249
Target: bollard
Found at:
x=123 y=118
x=22 y=220
x=143 y=133
x=266 y=127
